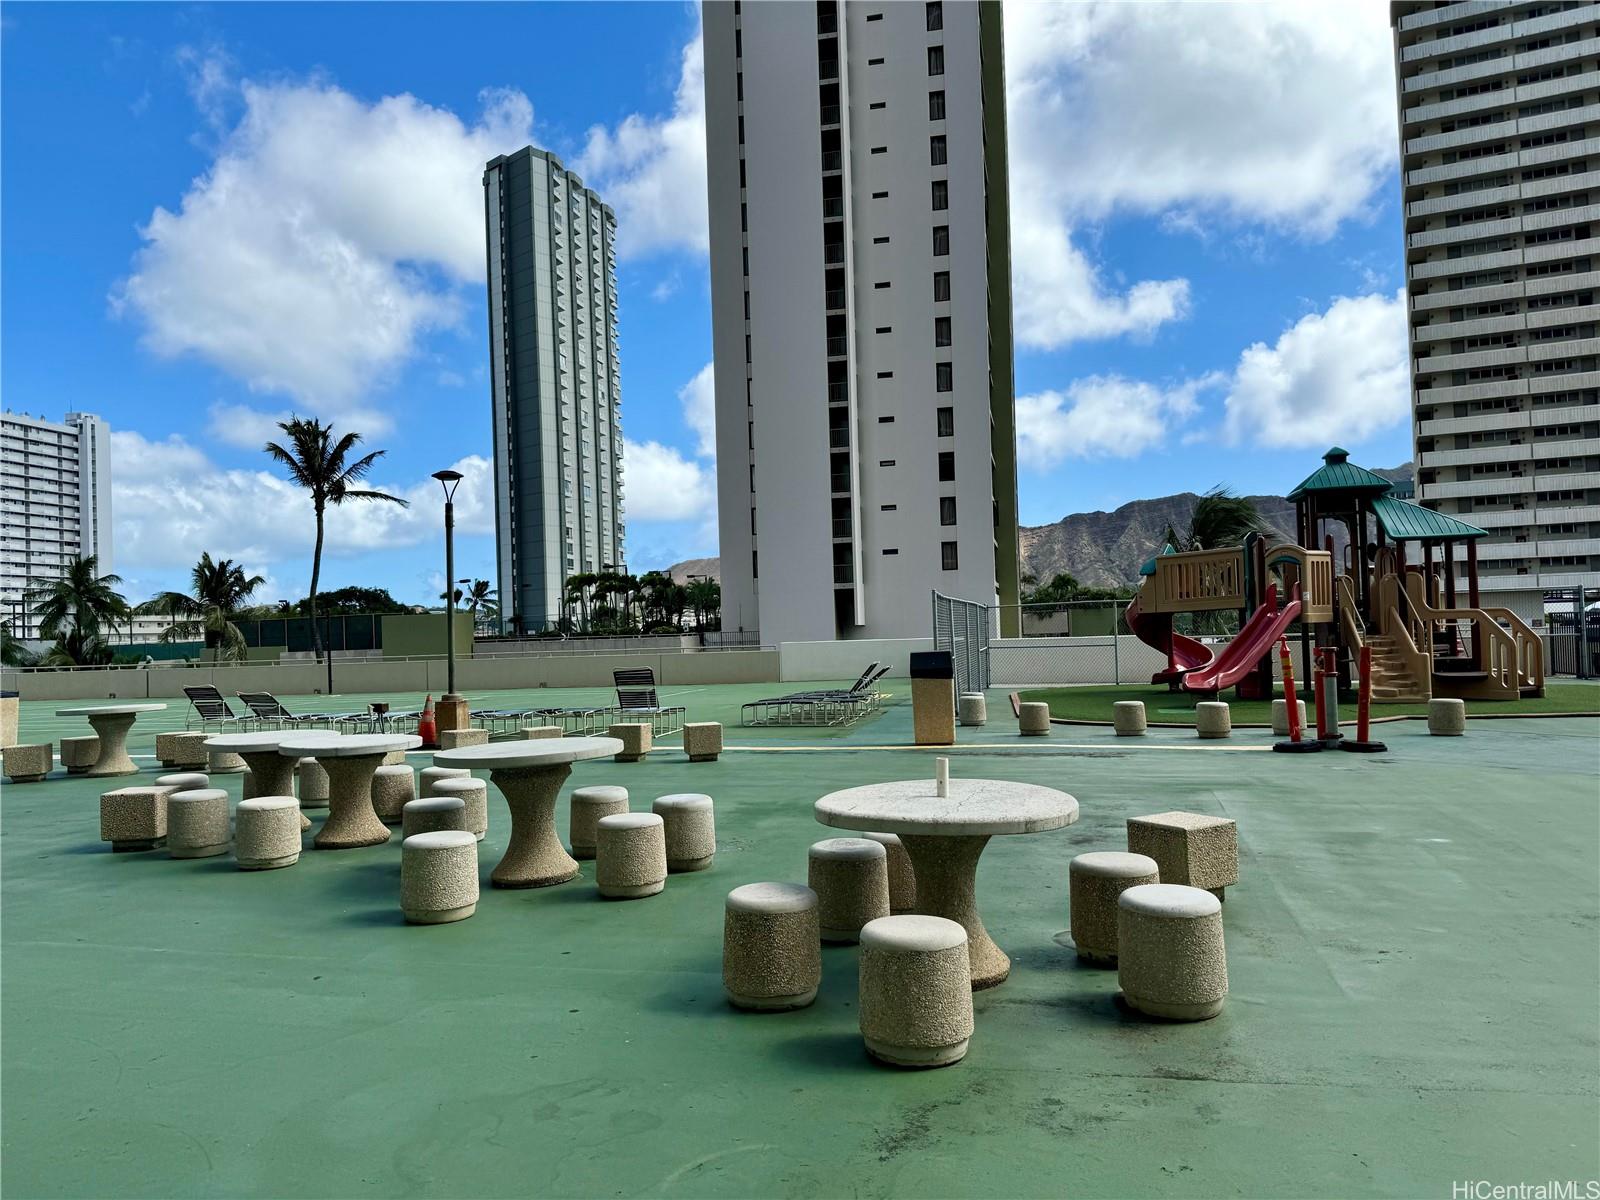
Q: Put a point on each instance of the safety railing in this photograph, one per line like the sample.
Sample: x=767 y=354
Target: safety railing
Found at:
x=1313 y=571
x=1196 y=581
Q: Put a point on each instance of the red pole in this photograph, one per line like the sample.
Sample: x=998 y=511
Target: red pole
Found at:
x=1364 y=697
x=1291 y=699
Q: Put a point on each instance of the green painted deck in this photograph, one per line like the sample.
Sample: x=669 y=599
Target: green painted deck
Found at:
x=1414 y=952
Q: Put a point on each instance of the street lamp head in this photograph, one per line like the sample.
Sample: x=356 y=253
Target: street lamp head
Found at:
x=449 y=481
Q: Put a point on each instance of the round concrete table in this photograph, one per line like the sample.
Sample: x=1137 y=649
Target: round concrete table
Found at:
x=111 y=723
x=350 y=761
x=945 y=837
x=529 y=775
x=271 y=773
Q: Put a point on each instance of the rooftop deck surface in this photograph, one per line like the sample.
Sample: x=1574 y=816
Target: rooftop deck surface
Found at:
x=1413 y=950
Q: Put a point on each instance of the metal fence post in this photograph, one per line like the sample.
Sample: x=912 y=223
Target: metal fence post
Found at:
x=1582 y=616
x=1116 y=655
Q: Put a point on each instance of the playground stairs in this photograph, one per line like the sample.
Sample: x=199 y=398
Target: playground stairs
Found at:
x=1392 y=681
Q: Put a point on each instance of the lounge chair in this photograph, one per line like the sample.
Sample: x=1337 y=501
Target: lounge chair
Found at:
x=828 y=706
x=636 y=699
x=269 y=710
x=210 y=708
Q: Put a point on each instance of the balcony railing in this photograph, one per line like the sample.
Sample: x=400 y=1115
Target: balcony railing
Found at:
x=843 y=573
x=835 y=299
x=833 y=252
x=839 y=439
x=836 y=347
x=830 y=114
x=841 y=527
x=832 y=160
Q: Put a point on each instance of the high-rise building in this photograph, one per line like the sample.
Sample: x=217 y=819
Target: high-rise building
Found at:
x=1500 y=154
x=55 y=505
x=861 y=305
x=553 y=374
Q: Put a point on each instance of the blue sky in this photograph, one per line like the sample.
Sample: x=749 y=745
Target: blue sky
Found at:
x=217 y=215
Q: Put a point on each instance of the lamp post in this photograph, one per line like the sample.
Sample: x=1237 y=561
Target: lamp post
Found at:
x=450 y=704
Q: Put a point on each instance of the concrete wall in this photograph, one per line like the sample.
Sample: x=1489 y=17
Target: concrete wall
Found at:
x=802 y=661
x=410 y=634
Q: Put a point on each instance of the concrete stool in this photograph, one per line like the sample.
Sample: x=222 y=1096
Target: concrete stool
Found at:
x=1280 y=717
x=27 y=764
x=691 y=830
x=451 y=739
x=430 y=776
x=534 y=732
x=1127 y=718
x=902 y=877
x=395 y=758
x=1447 y=718
x=78 y=754
x=183 y=781
x=588 y=805
x=702 y=740
x=630 y=855
x=197 y=823
x=134 y=818
x=474 y=797
x=438 y=876
x=224 y=762
x=312 y=783
x=636 y=741
x=915 y=991
x=181 y=749
x=1213 y=719
x=267 y=833
x=392 y=789
x=972 y=708
x=1170 y=957
x=1189 y=848
x=1096 y=880
x=851 y=879
x=771 y=954
x=1033 y=719
x=433 y=813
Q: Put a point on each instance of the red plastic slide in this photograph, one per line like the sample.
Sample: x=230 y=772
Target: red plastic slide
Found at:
x=1265 y=626
x=1155 y=629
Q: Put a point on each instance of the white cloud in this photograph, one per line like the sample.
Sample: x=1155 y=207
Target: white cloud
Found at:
x=699 y=400
x=1102 y=416
x=662 y=485
x=652 y=170
x=328 y=234
x=1339 y=375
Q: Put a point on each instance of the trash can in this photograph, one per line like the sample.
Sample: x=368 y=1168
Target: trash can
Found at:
x=933 y=698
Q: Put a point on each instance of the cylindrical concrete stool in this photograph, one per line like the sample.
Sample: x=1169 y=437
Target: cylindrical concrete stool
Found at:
x=184 y=781
x=771 y=954
x=267 y=833
x=902 y=877
x=916 y=991
x=1280 y=717
x=224 y=762
x=474 y=796
x=431 y=775
x=690 y=829
x=851 y=879
x=1127 y=718
x=312 y=783
x=1170 y=957
x=630 y=855
x=1213 y=719
x=589 y=804
x=392 y=789
x=972 y=708
x=197 y=823
x=432 y=813
x=439 y=877
x=1033 y=719
x=1096 y=881
x=1447 y=718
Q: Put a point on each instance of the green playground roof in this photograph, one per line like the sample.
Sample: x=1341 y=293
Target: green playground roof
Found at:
x=1404 y=521
x=1338 y=474
x=1149 y=567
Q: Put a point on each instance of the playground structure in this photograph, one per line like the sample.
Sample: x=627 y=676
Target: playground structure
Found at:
x=1389 y=596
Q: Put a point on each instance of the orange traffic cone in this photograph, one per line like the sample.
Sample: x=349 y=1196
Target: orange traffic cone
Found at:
x=427 y=730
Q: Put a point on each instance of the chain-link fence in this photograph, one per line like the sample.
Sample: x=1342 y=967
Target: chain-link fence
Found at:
x=962 y=627
x=1572 y=632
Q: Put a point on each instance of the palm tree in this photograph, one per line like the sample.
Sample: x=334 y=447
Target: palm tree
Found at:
x=705 y=598
x=75 y=608
x=1219 y=519
x=218 y=591
x=12 y=652
x=322 y=466
x=481 y=600
x=578 y=592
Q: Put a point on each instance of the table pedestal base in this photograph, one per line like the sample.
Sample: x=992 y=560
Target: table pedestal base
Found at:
x=351 y=821
x=112 y=730
x=534 y=856
x=946 y=870
x=271 y=774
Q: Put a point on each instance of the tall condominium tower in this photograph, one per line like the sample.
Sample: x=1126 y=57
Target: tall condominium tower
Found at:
x=54 y=506
x=861 y=306
x=553 y=375
x=1500 y=145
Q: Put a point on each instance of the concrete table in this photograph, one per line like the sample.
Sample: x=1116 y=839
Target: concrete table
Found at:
x=273 y=774
x=945 y=835
x=111 y=723
x=350 y=761
x=529 y=775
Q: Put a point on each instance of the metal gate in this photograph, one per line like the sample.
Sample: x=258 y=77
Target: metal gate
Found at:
x=1572 y=633
x=962 y=627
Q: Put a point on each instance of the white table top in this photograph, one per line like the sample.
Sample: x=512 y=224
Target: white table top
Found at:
x=92 y=710
x=974 y=807
x=345 y=745
x=543 y=752
x=265 y=739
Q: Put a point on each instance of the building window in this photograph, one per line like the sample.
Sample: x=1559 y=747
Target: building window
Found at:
x=941 y=194
x=943 y=377
x=935 y=15
x=947 y=466
x=935 y=106
x=935 y=60
x=941 y=331
x=947 y=557
x=941 y=239
x=888 y=551
x=874 y=62
x=941 y=286
x=880 y=150
x=947 y=422
x=947 y=510
x=886 y=462
x=938 y=155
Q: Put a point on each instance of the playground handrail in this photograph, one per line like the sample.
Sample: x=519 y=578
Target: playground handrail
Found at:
x=1512 y=659
x=1351 y=626
x=1197 y=581
x=1530 y=647
x=1314 y=577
